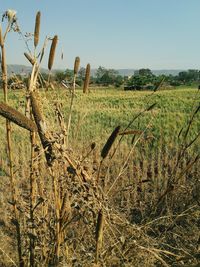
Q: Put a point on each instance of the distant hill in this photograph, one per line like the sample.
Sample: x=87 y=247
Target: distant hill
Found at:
x=166 y=72
x=21 y=69
x=130 y=72
x=18 y=69
x=24 y=70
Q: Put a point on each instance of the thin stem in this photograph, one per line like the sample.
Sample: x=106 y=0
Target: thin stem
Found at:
x=71 y=108
x=10 y=156
x=57 y=212
x=32 y=202
x=126 y=161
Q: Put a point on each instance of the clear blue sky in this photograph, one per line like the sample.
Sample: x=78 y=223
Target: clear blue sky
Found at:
x=158 y=34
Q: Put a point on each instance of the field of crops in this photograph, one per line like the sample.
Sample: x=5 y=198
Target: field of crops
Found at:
x=97 y=114
x=147 y=181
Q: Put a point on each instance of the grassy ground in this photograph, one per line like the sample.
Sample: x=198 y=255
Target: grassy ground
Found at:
x=150 y=197
x=97 y=114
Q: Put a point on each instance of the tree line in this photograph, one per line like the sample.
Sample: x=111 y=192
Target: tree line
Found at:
x=141 y=79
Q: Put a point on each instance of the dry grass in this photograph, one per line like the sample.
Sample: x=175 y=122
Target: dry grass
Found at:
x=138 y=228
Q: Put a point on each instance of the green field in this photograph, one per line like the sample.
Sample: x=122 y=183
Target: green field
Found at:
x=96 y=115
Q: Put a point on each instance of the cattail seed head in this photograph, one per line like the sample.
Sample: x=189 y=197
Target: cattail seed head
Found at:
x=99 y=233
x=87 y=79
x=99 y=226
x=137 y=132
x=151 y=106
x=17 y=117
x=42 y=129
x=109 y=142
x=37 y=110
x=93 y=145
x=30 y=59
x=52 y=52
x=76 y=65
x=37 y=28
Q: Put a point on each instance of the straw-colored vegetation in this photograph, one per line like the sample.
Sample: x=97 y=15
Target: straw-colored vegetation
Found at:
x=108 y=178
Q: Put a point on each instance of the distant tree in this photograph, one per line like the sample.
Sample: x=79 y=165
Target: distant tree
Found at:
x=145 y=72
x=193 y=75
x=144 y=78
x=106 y=76
x=188 y=77
x=137 y=80
x=81 y=76
x=59 y=76
x=81 y=73
x=69 y=74
x=92 y=80
x=119 y=80
x=126 y=78
x=141 y=78
x=172 y=80
x=79 y=81
x=99 y=73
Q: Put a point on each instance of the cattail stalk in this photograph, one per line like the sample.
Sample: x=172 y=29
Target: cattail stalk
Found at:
x=32 y=60
x=32 y=202
x=76 y=68
x=9 y=144
x=1 y=37
x=87 y=79
x=158 y=86
x=99 y=234
x=58 y=205
x=30 y=112
x=31 y=87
